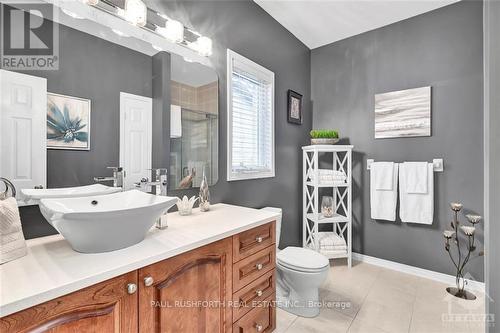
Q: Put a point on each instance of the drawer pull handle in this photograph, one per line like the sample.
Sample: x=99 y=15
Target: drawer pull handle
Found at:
x=259 y=266
x=258 y=293
x=131 y=288
x=148 y=281
x=259 y=239
x=258 y=328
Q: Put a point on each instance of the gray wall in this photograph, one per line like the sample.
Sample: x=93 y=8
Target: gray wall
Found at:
x=492 y=142
x=443 y=49
x=96 y=69
x=247 y=29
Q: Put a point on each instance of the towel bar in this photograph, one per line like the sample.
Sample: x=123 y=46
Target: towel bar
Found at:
x=437 y=162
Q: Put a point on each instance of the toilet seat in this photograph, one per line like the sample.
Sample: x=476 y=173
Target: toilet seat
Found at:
x=302 y=260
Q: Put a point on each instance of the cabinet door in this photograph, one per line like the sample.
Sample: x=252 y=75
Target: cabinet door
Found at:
x=188 y=293
x=104 y=307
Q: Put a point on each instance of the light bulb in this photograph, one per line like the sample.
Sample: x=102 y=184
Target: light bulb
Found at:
x=173 y=31
x=203 y=46
x=135 y=12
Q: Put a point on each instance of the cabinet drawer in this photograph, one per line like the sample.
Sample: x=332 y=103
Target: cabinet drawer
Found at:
x=257 y=291
x=259 y=319
x=253 y=240
x=254 y=266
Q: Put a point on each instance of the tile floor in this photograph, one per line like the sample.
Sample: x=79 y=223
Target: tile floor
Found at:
x=371 y=299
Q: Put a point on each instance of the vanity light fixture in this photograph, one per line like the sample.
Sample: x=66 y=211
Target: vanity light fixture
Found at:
x=135 y=12
x=202 y=45
x=173 y=31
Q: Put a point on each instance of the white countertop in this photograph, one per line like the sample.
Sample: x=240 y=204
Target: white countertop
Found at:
x=52 y=269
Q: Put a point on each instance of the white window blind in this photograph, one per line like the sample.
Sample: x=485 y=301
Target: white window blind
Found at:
x=250 y=119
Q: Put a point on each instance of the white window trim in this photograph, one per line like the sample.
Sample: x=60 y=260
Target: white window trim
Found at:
x=231 y=55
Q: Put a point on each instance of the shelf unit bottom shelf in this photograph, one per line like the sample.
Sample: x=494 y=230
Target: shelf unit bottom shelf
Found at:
x=331 y=254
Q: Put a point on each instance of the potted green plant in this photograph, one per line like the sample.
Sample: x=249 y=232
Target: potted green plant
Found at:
x=324 y=137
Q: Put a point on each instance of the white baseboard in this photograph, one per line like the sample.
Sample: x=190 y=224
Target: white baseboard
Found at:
x=425 y=273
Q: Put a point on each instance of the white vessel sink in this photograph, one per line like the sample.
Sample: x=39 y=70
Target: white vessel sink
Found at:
x=29 y=195
x=106 y=222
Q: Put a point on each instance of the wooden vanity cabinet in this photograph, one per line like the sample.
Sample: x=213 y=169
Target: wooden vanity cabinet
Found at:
x=189 y=292
x=109 y=306
x=194 y=291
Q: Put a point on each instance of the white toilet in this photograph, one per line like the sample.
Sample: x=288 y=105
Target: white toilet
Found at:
x=300 y=273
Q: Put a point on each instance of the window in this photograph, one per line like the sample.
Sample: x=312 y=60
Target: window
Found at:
x=250 y=100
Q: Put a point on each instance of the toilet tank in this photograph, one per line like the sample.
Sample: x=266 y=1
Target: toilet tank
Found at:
x=278 y=222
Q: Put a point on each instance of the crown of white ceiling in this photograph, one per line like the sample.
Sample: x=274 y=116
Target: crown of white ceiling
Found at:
x=320 y=22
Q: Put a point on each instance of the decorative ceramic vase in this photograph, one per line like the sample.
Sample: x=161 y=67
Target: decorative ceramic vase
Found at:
x=204 y=193
x=327 y=206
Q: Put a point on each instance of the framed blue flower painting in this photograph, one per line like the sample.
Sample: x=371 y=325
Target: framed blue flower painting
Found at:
x=68 y=122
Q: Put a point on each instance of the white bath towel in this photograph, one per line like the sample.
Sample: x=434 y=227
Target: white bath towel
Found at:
x=383 y=201
x=416 y=177
x=332 y=253
x=327 y=176
x=12 y=240
x=331 y=239
x=416 y=207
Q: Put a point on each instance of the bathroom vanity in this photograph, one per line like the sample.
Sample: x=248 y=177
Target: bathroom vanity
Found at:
x=208 y=272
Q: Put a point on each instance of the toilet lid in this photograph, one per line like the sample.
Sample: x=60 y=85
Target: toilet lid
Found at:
x=301 y=259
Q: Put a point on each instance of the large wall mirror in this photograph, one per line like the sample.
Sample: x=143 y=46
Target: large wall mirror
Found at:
x=194 y=124
x=105 y=106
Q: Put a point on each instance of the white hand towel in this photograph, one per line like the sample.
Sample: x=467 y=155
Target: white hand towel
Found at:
x=383 y=201
x=416 y=177
x=416 y=207
x=12 y=240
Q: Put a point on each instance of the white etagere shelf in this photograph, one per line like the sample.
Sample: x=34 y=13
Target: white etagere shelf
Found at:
x=341 y=221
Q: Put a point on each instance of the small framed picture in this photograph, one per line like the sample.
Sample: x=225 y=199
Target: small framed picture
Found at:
x=294 y=107
x=68 y=122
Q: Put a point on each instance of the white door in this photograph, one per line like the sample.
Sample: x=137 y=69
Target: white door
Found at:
x=23 y=129
x=136 y=113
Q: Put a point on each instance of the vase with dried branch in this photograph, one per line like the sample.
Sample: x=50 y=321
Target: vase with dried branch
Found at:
x=461 y=257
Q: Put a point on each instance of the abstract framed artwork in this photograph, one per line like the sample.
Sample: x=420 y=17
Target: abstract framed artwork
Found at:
x=403 y=113
x=294 y=107
x=68 y=122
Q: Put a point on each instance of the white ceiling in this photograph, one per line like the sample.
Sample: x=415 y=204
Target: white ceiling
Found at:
x=320 y=22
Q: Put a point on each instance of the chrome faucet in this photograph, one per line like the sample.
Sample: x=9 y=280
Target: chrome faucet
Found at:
x=117 y=179
x=158 y=186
